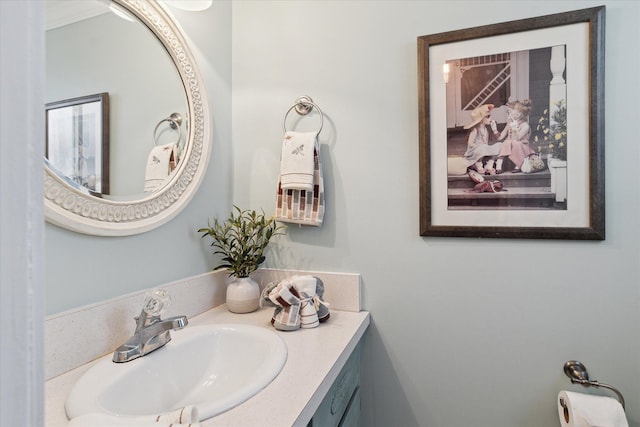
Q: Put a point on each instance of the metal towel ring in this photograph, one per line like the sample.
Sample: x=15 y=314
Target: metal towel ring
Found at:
x=175 y=120
x=303 y=106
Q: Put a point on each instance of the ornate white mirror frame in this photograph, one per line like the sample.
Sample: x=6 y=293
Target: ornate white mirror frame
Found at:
x=74 y=209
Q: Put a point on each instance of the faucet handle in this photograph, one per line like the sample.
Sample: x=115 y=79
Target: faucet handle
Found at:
x=155 y=302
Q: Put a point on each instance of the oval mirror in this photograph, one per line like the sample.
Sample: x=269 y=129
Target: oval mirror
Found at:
x=128 y=128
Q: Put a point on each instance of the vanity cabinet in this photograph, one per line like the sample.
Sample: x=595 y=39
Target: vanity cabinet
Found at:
x=341 y=406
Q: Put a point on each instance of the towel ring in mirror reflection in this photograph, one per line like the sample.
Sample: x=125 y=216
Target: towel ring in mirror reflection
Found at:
x=175 y=121
x=303 y=106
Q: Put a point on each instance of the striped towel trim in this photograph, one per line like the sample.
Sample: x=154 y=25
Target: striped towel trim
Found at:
x=300 y=206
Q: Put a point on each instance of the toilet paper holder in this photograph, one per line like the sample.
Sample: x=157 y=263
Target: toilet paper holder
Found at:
x=578 y=374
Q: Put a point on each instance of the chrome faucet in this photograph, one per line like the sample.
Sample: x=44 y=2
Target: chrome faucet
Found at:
x=151 y=332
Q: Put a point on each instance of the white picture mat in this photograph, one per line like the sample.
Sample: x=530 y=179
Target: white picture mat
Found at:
x=576 y=39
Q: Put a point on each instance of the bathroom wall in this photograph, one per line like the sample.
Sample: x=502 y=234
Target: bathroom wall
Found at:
x=491 y=321
x=83 y=269
x=466 y=332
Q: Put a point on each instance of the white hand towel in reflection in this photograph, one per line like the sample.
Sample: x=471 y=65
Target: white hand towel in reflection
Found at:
x=296 y=161
x=160 y=163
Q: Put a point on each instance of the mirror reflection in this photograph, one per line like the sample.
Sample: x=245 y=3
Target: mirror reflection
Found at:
x=132 y=148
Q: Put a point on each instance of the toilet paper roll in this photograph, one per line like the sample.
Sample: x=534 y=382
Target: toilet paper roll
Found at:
x=586 y=410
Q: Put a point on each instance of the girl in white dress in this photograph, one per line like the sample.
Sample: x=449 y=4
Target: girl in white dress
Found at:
x=478 y=148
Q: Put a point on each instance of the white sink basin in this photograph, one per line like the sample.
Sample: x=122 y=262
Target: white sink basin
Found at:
x=213 y=367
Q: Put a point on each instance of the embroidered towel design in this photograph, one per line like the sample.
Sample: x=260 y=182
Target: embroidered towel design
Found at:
x=296 y=161
x=303 y=206
x=160 y=163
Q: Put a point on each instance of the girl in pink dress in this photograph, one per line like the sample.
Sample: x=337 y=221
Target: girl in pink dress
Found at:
x=516 y=135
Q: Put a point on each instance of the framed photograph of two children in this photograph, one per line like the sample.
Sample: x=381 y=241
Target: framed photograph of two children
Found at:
x=511 y=120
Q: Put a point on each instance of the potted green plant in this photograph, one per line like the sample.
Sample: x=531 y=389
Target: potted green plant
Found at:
x=241 y=240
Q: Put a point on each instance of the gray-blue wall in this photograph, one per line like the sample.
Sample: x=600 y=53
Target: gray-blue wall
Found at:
x=466 y=332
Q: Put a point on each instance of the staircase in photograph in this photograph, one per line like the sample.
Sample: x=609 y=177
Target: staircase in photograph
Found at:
x=520 y=191
x=537 y=190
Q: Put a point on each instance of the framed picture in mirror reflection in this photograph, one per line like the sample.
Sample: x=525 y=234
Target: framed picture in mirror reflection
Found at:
x=77 y=140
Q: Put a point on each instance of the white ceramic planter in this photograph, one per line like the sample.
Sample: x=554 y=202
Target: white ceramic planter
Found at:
x=243 y=295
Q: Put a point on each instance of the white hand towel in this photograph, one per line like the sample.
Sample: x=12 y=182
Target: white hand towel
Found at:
x=104 y=420
x=306 y=286
x=160 y=163
x=186 y=415
x=296 y=162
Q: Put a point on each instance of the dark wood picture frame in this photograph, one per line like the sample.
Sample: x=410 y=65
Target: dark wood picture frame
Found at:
x=88 y=119
x=436 y=219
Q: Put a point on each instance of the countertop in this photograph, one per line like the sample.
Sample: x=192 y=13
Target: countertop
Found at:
x=315 y=358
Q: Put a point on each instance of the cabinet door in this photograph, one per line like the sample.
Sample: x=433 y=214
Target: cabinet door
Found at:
x=351 y=417
x=333 y=406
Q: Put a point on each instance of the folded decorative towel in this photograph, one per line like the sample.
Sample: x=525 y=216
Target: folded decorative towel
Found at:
x=265 y=301
x=160 y=163
x=296 y=161
x=298 y=302
x=300 y=206
x=306 y=286
x=287 y=300
x=104 y=420
x=321 y=307
x=188 y=414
